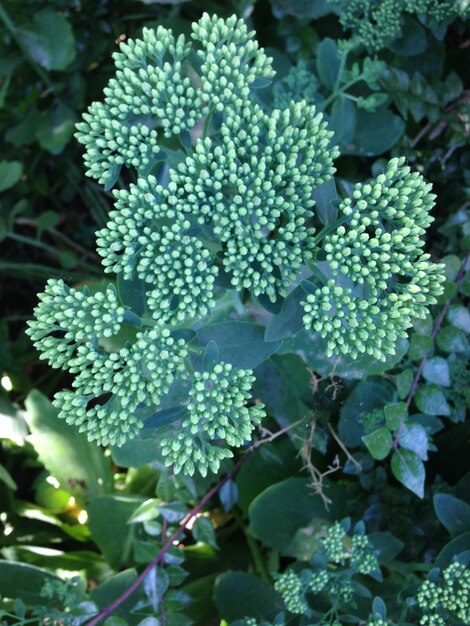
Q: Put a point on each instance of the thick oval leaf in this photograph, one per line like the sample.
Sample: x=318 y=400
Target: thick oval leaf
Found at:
x=408 y=468
x=453 y=513
x=49 y=40
x=289 y=320
x=375 y=133
x=328 y=62
x=108 y=520
x=288 y=515
x=80 y=466
x=18 y=580
x=254 y=597
x=240 y=343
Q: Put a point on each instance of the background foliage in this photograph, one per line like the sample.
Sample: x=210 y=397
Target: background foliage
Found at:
x=384 y=444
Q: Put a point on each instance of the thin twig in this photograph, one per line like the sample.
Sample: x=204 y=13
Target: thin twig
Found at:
x=184 y=523
x=343 y=447
x=435 y=330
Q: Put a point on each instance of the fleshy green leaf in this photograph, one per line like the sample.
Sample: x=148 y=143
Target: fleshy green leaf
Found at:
x=49 y=40
x=453 y=513
x=240 y=343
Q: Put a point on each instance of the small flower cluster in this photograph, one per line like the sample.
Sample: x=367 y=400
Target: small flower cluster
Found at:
x=156 y=87
x=339 y=559
x=66 y=318
x=378 y=256
x=231 y=61
x=216 y=412
x=299 y=84
x=111 y=387
x=375 y=24
x=252 y=186
x=450 y=598
x=292 y=591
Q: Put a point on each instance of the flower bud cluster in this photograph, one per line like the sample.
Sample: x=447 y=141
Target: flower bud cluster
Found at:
x=217 y=412
x=111 y=387
x=377 y=257
x=65 y=318
x=291 y=589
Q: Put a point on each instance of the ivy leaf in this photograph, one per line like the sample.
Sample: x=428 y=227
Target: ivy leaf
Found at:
x=414 y=437
x=408 y=468
x=436 y=370
x=430 y=399
x=453 y=513
x=379 y=443
x=375 y=133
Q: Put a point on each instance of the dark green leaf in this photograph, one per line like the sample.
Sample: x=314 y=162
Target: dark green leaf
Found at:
x=453 y=513
x=343 y=119
x=228 y=495
x=395 y=413
x=10 y=174
x=450 y=339
x=375 y=133
x=412 y=40
x=408 y=468
x=288 y=515
x=203 y=531
x=80 y=466
x=18 y=580
x=365 y=397
x=289 y=320
x=49 y=40
x=254 y=597
x=419 y=347
x=108 y=521
x=459 y=316
x=240 y=343
x=324 y=195
x=328 y=62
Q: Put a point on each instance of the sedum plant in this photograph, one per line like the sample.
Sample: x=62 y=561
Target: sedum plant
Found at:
x=229 y=220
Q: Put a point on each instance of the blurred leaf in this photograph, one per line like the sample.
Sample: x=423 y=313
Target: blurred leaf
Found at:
x=108 y=521
x=49 y=40
x=239 y=595
x=414 y=437
x=436 y=370
x=328 y=62
x=203 y=531
x=10 y=174
x=6 y=478
x=55 y=128
x=453 y=513
x=18 y=580
x=80 y=466
x=228 y=495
